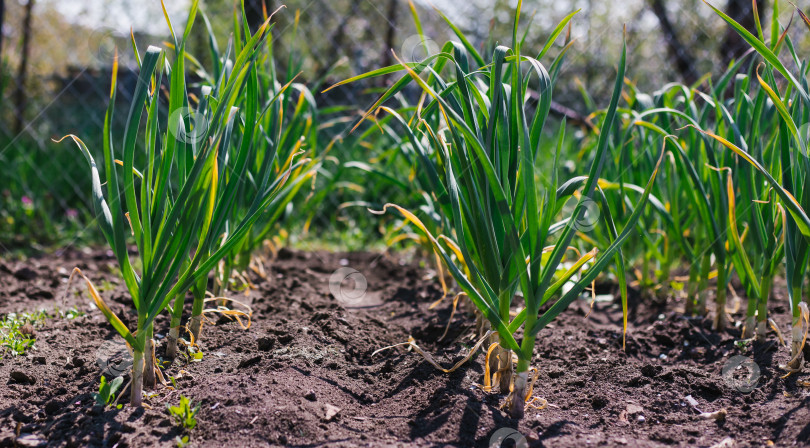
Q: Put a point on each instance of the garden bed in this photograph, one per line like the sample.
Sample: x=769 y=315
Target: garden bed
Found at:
x=304 y=374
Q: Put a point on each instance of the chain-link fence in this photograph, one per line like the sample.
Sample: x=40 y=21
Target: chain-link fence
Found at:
x=56 y=68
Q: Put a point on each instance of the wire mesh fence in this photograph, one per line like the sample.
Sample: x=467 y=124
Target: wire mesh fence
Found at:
x=56 y=67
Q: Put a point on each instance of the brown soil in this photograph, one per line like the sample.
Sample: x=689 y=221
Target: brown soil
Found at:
x=307 y=355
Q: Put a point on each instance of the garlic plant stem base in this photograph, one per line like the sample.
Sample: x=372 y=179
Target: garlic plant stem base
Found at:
x=720 y=321
x=762 y=330
x=195 y=327
x=149 y=380
x=505 y=369
x=796 y=346
x=689 y=306
x=493 y=359
x=517 y=399
x=136 y=391
x=481 y=325
x=171 y=341
x=720 y=316
x=700 y=306
x=691 y=295
x=748 y=327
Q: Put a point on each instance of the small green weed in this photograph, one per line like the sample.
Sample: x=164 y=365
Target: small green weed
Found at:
x=17 y=332
x=107 y=390
x=183 y=414
x=70 y=314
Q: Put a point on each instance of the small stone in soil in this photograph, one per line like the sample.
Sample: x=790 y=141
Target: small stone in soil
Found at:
x=311 y=396
x=649 y=370
x=39 y=293
x=634 y=409
x=330 y=412
x=52 y=407
x=28 y=330
x=697 y=352
x=250 y=362
x=18 y=376
x=266 y=344
x=284 y=254
x=25 y=273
